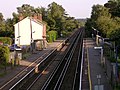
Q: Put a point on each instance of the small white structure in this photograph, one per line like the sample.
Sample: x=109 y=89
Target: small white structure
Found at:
x=29 y=30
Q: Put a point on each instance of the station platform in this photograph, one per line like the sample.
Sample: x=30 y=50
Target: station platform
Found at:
x=98 y=79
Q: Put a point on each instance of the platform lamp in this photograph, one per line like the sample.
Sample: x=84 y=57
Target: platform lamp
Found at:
x=97 y=36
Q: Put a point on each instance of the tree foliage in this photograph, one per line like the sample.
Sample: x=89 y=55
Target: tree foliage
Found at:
x=4 y=55
x=52 y=36
x=113 y=6
x=106 y=19
x=54 y=16
x=6 y=40
x=57 y=19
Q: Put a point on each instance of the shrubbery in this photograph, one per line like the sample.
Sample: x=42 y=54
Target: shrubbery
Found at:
x=65 y=34
x=52 y=36
x=6 y=40
x=4 y=55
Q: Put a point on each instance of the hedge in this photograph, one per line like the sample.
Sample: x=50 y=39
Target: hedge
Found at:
x=6 y=40
x=4 y=55
x=52 y=36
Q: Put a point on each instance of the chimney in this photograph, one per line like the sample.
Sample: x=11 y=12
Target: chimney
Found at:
x=40 y=17
x=44 y=31
x=20 y=17
x=35 y=16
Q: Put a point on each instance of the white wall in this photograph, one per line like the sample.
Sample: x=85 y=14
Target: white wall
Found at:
x=23 y=29
x=38 y=30
x=16 y=33
x=25 y=32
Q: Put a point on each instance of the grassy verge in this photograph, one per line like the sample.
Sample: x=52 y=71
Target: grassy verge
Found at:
x=26 y=55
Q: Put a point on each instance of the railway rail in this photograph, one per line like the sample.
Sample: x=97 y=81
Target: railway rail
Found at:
x=65 y=77
x=58 y=65
x=42 y=78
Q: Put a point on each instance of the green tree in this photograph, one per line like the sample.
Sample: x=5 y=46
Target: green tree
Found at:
x=105 y=19
x=4 y=56
x=106 y=25
x=2 y=25
x=26 y=10
x=101 y=20
x=88 y=27
x=98 y=11
x=9 y=30
x=113 y=6
x=55 y=17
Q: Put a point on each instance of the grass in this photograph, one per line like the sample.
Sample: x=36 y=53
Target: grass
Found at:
x=2 y=66
x=113 y=60
x=117 y=87
x=2 y=74
x=25 y=55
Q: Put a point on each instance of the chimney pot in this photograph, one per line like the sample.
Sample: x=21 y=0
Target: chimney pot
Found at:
x=35 y=16
x=20 y=17
x=40 y=17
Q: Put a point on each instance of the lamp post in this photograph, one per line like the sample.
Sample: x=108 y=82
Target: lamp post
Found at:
x=97 y=36
x=32 y=40
x=95 y=30
x=31 y=36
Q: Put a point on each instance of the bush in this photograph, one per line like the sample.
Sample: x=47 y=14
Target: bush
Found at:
x=52 y=36
x=6 y=40
x=65 y=34
x=4 y=55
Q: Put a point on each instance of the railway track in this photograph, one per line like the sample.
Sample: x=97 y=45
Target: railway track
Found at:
x=41 y=77
x=50 y=69
x=67 y=56
x=70 y=74
x=66 y=75
x=21 y=74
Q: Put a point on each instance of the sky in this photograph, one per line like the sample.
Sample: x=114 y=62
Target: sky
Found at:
x=75 y=8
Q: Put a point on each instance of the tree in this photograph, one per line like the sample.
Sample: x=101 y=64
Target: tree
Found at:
x=56 y=17
x=116 y=30
x=96 y=21
x=113 y=6
x=98 y=11
x=102 y=21
x=26 y=10
x=9 y=30
x=58 y=20
x=2 y=25
x=106 y=25
x=105 y=19
x=88 y=27
x=56 y=10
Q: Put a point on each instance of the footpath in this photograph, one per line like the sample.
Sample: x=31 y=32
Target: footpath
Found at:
x=10 y=73
x=98 y=79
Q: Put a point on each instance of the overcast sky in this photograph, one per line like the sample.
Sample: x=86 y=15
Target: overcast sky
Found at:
x=75 y=8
